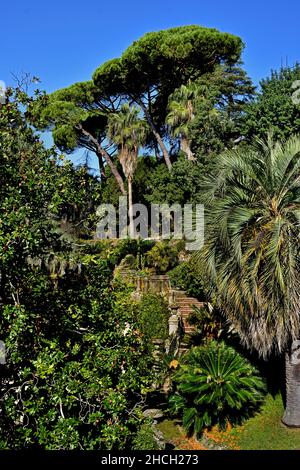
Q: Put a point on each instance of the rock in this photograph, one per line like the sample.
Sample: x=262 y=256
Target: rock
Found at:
x=153 y=413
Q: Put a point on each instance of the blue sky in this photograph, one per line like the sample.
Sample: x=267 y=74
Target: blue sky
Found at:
x=64 y=41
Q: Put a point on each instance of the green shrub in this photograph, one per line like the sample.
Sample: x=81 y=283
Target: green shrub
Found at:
x=145 y=438
x=208 y=324
x=115 y=251
x=215 y=385
x=164 y=256
x=186 y=276
x=182 y=185
x=73 y=377
x=153 y=316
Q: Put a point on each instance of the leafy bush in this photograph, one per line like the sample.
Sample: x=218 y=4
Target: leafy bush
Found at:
x=181 y=186
x=271 y=110
x=188 y=277
x=77 y=365
x=153 y=316
x=208 y=324
x=116 y=251
x=145 y=438
x=215 y=385
x=164 y=256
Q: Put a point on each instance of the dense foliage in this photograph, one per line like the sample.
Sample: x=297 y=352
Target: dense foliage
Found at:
x=77 y=367
x=188 y=276
x=153 y=317
x=273 y=109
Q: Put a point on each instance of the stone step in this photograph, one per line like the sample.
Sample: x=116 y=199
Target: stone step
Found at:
x=186 y=310
x=187 y=298
x=183 y=299
x=186 y=304
x=189 y=306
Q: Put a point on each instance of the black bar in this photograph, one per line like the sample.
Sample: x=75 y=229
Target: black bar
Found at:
x=130 y=459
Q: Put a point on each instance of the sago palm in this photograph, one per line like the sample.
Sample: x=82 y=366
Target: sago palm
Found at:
x=215 y=385
x=252 y=250
x=128 y=131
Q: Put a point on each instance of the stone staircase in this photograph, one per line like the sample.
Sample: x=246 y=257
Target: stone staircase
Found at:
x=181 y=305
x=185 y=306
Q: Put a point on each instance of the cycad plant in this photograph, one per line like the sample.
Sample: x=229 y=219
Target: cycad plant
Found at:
x=128 y=131
x=252 y=248
x=215 y=385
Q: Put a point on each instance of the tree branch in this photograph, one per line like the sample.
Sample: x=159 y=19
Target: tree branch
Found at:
x=101 y=151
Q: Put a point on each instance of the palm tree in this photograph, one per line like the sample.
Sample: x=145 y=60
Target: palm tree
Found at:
x=128 y=132
x=252 y=251
x=181 y=108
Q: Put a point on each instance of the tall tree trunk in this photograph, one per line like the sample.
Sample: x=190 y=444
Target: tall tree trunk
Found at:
x=107 y=158
x=130 y=208
x=185 y=147
x=156 y=134
x=291 y=415
x=101 y=166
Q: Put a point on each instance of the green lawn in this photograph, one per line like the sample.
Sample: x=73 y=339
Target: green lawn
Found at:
x=262 y=432
x=265 y=431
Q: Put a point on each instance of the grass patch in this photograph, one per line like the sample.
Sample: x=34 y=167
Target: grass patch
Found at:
x=170 y=429
x=264 y=431
x=175 y=435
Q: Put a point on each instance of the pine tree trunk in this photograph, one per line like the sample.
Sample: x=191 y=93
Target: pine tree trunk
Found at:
x=156 y=135
x=130 y=208
x=101 y=166
x=163 y=149
x=115 y=172
x=101 y=151
x=291 y=415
